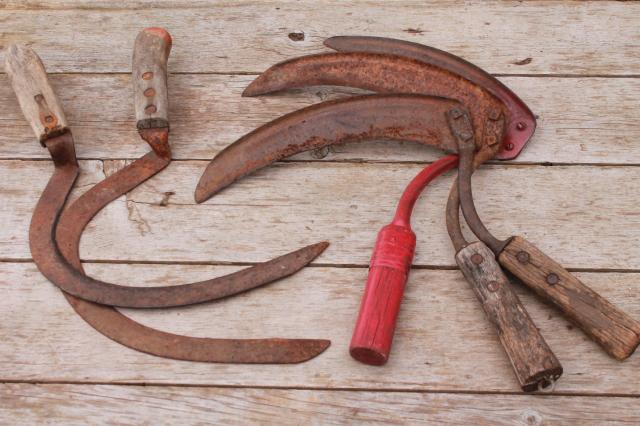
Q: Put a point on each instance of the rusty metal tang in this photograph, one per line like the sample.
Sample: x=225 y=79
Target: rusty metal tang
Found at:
x=45 y=115
x=382 y=73
x=521 y=122
x=616 y=332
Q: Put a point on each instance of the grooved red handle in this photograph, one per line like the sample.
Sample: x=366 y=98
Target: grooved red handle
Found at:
x=388 y=272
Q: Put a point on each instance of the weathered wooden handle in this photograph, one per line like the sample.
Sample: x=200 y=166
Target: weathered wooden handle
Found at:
x=150 y=56
x=38 y=102
x=531 y=358
x=611 y=328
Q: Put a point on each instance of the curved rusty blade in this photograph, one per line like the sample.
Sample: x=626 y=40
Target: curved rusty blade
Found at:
x=370 y=71
x=55 y=267
x=108 y=320
x=521 y=122
x=381 y=73
x=414 y=118
x=125 y=331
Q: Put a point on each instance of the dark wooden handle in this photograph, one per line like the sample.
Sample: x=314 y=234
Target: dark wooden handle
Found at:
x=38 y=102
x=611 y=328
x=531 y=358
x=150 y=56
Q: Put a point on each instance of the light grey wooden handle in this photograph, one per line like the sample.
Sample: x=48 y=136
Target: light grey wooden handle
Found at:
x=614 y=330
x=150 y=56
x=531 y=358
x=38 y=102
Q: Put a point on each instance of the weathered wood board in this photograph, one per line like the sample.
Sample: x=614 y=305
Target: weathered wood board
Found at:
x=87 y=405
x=443 y=341
x=581 y=120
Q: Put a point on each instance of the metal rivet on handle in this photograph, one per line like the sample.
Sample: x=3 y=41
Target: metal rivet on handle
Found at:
x=477 y=258
x=149 y=92
x=552 y=279
x=493 y=286
x=147 y=75
x=522 y=256
x=150 y=109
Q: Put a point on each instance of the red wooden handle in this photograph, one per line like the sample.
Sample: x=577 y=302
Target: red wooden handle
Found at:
x=390 y=264
x=388 y=272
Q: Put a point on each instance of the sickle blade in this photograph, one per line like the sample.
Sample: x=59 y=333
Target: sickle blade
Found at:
x=380 y=73
x=55 y=267
x=122 y=329
x=414 y=118
x=521 y=122
x=134 y=335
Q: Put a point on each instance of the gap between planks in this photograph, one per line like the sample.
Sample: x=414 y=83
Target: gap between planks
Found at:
x=319 y=388
x=451 y=267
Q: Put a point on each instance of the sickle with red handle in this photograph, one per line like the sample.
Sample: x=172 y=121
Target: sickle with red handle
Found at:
x=46 y=117
x=388 y=273
x=412 y=68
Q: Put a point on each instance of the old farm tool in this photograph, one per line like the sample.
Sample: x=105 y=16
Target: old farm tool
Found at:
x=149 y=76
x=533 y=362
x=46 y=117
x=616 y=332
x=388 y=273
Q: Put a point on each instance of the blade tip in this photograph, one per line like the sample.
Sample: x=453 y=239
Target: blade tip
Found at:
x=314 y=348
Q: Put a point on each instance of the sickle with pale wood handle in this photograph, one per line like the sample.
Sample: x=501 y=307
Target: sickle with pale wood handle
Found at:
x=150 y=56
x=29 y=79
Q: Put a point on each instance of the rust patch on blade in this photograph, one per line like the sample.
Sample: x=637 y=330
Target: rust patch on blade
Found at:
x=521 y=122
x=414 y=118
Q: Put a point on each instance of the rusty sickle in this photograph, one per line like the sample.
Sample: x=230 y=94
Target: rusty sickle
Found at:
x=45 y=115
x=382 y=73
x=616 y=332
x=150 y=57
x=415 y=118
x=533 y=362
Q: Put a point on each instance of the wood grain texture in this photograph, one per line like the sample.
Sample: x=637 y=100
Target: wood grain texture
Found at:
x=149 y=74
x=93 y=405
x=605 y=323
x=38 y=102
x=580 y=120
x=290 y=205
x=442 y=341
x=534 y=363
x=250 y=36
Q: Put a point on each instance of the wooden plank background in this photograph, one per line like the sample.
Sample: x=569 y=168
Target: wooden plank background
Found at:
x=573 y=192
